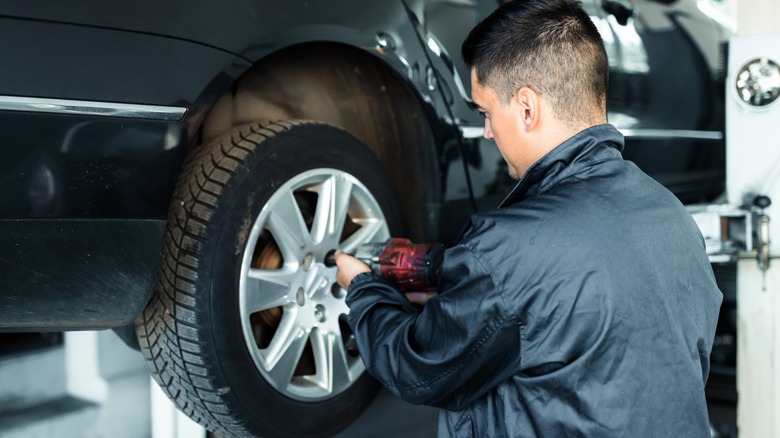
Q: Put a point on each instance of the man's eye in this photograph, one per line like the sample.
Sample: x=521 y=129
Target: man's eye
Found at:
x=482 y=113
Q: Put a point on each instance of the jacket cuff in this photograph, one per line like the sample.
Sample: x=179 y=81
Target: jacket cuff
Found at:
x=361 y=278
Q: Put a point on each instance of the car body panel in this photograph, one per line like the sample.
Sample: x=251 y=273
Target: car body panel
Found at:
x=76 y=274
x=60 y=60
x=63 y=171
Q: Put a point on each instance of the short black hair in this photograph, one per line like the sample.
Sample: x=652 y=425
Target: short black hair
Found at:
x=550 y=46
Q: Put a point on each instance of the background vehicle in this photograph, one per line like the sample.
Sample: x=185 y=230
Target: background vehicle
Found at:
x=243 y=140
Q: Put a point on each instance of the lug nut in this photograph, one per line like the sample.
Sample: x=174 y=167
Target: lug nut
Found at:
x=319 y=313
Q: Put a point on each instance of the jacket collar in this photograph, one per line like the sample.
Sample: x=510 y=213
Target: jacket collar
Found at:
x=583 y=149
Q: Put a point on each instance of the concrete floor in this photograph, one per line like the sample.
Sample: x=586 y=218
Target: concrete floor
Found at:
x=390 y=417
x=126 y=411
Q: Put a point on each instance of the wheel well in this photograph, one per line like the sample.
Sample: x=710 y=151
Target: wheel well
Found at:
x=355 y=91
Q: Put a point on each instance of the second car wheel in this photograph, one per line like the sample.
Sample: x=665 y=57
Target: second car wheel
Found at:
x=246 y=330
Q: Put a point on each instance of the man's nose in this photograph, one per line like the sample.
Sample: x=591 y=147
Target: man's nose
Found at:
x=488 y=130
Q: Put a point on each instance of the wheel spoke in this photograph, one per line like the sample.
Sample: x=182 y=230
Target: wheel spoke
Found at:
x=285 y=351
x=266 y=289
x=338 y=306
x=286 y=224
x=332 y=208
x=331 y=361
x=369 y=228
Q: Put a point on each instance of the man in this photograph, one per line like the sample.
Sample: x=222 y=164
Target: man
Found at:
x=585 y=304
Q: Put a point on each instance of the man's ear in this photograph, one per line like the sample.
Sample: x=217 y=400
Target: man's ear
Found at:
x=527 y=101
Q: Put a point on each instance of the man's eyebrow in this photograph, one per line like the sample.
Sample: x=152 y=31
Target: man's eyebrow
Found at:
x=476 y=106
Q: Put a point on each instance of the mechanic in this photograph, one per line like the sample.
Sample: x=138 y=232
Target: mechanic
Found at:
x=585 y=304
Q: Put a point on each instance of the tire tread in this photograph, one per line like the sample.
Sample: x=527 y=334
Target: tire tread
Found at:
x=168 y=331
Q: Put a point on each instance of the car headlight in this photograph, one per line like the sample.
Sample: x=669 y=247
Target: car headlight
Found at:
x=758 y=82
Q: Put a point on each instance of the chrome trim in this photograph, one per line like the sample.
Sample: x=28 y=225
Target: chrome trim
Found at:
x=758 y=82
x=472 y=131
x=478 y=132
x=92 y=108
x=671 y=133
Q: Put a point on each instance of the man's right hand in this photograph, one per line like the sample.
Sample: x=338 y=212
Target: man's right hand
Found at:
x=420 y=298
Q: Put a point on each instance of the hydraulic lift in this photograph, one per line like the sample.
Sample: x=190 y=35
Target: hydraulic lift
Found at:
x=741 y=232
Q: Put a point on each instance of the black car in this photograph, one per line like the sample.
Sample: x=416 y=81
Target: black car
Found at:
x=179 y=170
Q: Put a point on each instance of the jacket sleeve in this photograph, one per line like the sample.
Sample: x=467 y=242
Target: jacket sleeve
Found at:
x=463 y=343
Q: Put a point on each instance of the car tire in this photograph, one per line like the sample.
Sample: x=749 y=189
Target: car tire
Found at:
x=246 y=331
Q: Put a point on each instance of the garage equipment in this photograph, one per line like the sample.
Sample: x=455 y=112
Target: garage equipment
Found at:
x=410 y=267
x=739 y=231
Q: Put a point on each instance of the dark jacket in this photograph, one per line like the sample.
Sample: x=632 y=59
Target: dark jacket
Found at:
x=584 y=306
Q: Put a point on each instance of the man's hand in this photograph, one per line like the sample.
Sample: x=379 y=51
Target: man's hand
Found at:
x=420 y=298
x=349 y=267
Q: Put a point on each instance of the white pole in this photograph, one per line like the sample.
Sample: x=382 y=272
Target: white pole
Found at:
x=169 y=422
x=752 y=152
x=758 y=355
x=82 y=365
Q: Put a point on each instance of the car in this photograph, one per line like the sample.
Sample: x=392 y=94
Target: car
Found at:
x=177 y=171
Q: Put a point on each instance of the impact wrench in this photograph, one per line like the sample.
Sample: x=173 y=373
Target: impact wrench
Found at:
x=410 y=267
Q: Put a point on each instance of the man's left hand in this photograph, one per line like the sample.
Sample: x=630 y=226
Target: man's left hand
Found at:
x=420 y=298
x=349 y=268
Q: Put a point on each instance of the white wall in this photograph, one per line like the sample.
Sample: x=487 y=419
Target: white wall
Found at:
x=757 y=17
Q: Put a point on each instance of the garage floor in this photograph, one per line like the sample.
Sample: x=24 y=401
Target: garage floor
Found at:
x=386 y=417
x=390 y=417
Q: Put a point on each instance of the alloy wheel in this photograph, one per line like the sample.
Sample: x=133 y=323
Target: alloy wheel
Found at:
x=293 y=312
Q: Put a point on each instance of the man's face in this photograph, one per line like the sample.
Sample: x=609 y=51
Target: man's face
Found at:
x=502 y=123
